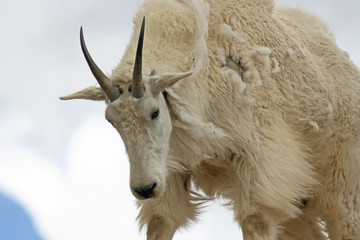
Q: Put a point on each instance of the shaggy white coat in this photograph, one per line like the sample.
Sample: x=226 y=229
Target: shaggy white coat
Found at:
x=269 y=119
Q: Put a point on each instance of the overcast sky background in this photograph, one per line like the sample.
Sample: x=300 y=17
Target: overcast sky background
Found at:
x=63 y=169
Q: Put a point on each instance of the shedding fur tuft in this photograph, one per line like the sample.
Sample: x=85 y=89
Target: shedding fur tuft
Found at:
x=275 y=65
x=315 y=125
x=228 y=32
x=236 y=80
x=289 y=52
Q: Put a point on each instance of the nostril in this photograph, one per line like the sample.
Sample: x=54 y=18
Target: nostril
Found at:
x=153 y=187
x=146 y=192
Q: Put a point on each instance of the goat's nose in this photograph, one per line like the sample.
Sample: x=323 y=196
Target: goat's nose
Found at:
x=145 y=192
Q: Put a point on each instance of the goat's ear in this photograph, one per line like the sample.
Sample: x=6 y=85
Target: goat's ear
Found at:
x=166 y=80
x=90 y=93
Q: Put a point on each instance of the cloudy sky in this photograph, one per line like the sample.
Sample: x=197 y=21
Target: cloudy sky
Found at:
x=63 y=169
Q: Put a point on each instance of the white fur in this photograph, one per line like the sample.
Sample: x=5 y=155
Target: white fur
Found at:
x=269 y=119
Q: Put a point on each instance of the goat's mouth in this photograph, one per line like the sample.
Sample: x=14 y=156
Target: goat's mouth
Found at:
x=147 y=191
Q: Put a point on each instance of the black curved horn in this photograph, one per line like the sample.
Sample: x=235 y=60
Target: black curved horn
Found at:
x=137 y=83
x=104 y=82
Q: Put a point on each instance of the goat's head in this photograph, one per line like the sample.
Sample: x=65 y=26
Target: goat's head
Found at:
x=139 y=113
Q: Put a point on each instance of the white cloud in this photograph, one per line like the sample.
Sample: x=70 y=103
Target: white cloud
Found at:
x=88 y=198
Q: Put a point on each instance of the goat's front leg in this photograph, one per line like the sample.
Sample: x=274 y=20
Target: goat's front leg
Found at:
x=258 y=226
x=160 y=228
x=172 y=210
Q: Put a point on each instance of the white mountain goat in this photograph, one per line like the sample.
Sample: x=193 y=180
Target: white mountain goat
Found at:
x=243 y=100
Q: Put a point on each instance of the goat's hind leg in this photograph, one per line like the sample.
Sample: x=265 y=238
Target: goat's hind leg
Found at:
x=302 y=228
x=340 y=199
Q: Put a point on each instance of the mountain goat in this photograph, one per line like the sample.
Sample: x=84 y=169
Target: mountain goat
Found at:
x=243 y=100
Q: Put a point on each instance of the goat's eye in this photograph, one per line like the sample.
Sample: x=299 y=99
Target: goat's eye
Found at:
x=121 y=90
x=155 y=114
